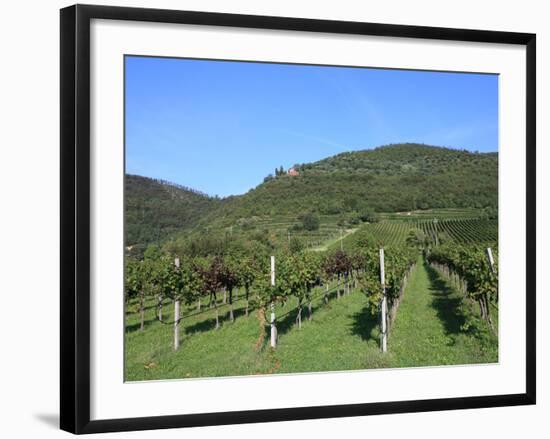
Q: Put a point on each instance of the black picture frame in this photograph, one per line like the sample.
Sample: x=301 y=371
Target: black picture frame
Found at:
x=75 y=217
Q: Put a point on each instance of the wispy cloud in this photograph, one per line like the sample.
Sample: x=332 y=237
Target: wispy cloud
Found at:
x=318 y=139
x=463 y=135
x=356 y=95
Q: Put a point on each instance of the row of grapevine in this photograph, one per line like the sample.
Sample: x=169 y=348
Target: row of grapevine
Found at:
x=430 y=214
x=425 y=233
x=190 y=280
x=476 y=271
x=460 y=230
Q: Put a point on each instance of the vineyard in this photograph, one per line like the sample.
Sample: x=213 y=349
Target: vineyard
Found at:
x=424 y=233
x=460 y=231
x=437 y=225
x=431 y=214
x=251 y=262
x=285 y=227
x=260 y=310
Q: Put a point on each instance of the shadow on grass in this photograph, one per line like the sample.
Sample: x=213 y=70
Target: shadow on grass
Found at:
x=210 y=323
x=202 y=326
x=288 y=319
x=450 y=308
x=364 y=323
x=136 y=326
x=284 y=324
x=188 y=310
x=133 y=307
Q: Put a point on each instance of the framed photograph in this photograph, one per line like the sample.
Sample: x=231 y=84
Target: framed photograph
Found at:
x=275 y=218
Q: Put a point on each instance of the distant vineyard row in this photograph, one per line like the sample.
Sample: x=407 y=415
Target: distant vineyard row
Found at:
x=462 y=231
x=456 y=225
x=430 y=232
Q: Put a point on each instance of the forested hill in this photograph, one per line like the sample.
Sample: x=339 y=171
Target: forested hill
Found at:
x=405 y=159
x=386 y=179
x=391 y=178
x=154 y=209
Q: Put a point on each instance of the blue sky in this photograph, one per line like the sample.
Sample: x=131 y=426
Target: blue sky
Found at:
x=221 y=127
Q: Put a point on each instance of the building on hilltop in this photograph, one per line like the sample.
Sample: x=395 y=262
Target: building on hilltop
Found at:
x=292 y=172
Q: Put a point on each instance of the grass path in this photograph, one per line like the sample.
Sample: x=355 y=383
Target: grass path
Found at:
x=342 y=335
x=333 y=241
x=434 y=326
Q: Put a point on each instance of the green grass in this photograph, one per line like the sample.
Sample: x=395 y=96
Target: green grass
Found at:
x=431 y=329
x=342 y=335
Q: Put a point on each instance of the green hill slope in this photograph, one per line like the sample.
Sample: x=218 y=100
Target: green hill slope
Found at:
x=387 y=179
x=156 y=209
x=393 y=178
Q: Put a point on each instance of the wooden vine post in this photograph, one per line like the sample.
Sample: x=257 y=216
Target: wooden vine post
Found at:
x=272 y=320
x=384 y=311
x=491 y=267
x=491 y=260
x=177 y=314
x=159 y=307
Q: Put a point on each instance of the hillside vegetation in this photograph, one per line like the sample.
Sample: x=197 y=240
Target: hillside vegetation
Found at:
x=387 y=179
x=311 y=248
x=341 y=190
x=155 y=209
